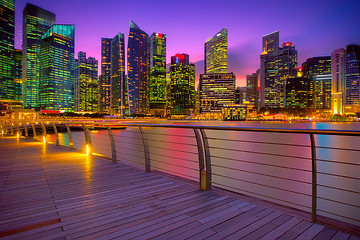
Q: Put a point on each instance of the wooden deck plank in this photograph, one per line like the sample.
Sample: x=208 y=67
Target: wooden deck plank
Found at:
x=49 y=192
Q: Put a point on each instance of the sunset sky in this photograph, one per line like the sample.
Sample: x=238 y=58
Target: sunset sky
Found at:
x=316 y=27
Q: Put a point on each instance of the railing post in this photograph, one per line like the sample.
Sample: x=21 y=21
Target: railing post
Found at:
x=112 y=142
x=87 y=138
x=207 y=167
x=26 y=130
x=43 y=132
x=71 y=144
x=56 y=134
x=314 y=178
x=146 y=150
x=34 y=130
x=201 y=153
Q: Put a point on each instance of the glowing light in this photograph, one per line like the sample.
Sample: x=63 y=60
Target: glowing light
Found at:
x=44 y=139
x=87 y=149
x=17 y=135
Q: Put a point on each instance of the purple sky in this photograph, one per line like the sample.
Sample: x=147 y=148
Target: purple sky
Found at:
x=316 y=27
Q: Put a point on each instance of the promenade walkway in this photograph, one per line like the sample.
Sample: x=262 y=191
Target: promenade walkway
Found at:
x=50 y=192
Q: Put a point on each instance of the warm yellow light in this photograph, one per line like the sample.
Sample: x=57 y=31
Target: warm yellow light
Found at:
x=44 y=139
x=17 y=135
x=87 y=149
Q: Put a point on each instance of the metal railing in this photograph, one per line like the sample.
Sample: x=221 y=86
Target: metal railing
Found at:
x=298 y=168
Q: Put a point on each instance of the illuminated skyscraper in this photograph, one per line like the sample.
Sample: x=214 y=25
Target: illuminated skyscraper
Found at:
x=157 y=74
x=7 y=21
x=138 y=71
x=56 y=60
x=252 y=89
x=216 y=53
x=86 y=84
x=182 y=85
x=104 y=80
x=216 y=90
x=36 y=21
x=276 y=64
x=352 y=77
x=318 y=70
x=119 y=94
x=296 y=92
x=18 y=75
x=338 y=81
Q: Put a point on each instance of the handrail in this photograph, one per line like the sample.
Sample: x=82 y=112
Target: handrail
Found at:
x=203 y=147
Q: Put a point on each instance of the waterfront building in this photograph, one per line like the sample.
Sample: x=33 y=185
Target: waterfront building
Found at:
x=36 y=21
x=168 y=90
x=18 y=75
x=296 y=92
x=104 y=79
x=56 y=57
x=86 y=84
x=240 y=95
x=216 y=53
x=276 y=64
x=234 y=112
x=318 y=70
x=345 y=71
x=252 y=89
x=157 y=74
x=119 y=86
x=182 y=76
x=7 y=22
x=138 y=71
x=215 y=91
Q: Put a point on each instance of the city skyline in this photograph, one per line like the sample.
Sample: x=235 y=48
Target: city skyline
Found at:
x=308 y=26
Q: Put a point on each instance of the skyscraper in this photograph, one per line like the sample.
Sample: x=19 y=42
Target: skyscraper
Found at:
x=352 y=77
x=104 y=80
x=56 y=58
x=7 y=21
x=86 y=84
x=182 y=85
x=276 y=64
x=36 y=21
x=118 y=93
x=157 y=74
x=338 y=81
x=252 y=89
x=18 y=75
x=216 y=53
x=318 y=70
x=138 y=71
x=296 y=92
x=216 y=90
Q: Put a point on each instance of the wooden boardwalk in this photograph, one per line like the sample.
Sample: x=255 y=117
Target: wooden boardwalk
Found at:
x=50 y=192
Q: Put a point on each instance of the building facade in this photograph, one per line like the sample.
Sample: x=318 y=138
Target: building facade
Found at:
x=157 y=74
x=318 y=71
x=118 y=83
x=216 y=91
x=7 y=23
x=182 y=76
x=352 y=76
x=104 y=79
x=56 y=57
x=36 y=21
x=276 y=65
x=252 y=89
x=86 y=84
x=138 y=71
x=296 y=92
x=216 y=53
x=18 y=75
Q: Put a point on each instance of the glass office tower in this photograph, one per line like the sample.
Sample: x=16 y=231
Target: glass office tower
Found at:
x=7 y=21
x=138 y=71
x=104 y=80
x=182 y=76
x=119 y=93
x=18 y=75
x=56 y=58
x=86 y=84
x=216 y=53
x=36 y=21
x=157 y=74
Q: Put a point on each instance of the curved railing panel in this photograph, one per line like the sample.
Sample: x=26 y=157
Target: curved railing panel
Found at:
x=173 y=150
x=64 y=139
x=79 y=140
x=100 y=142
